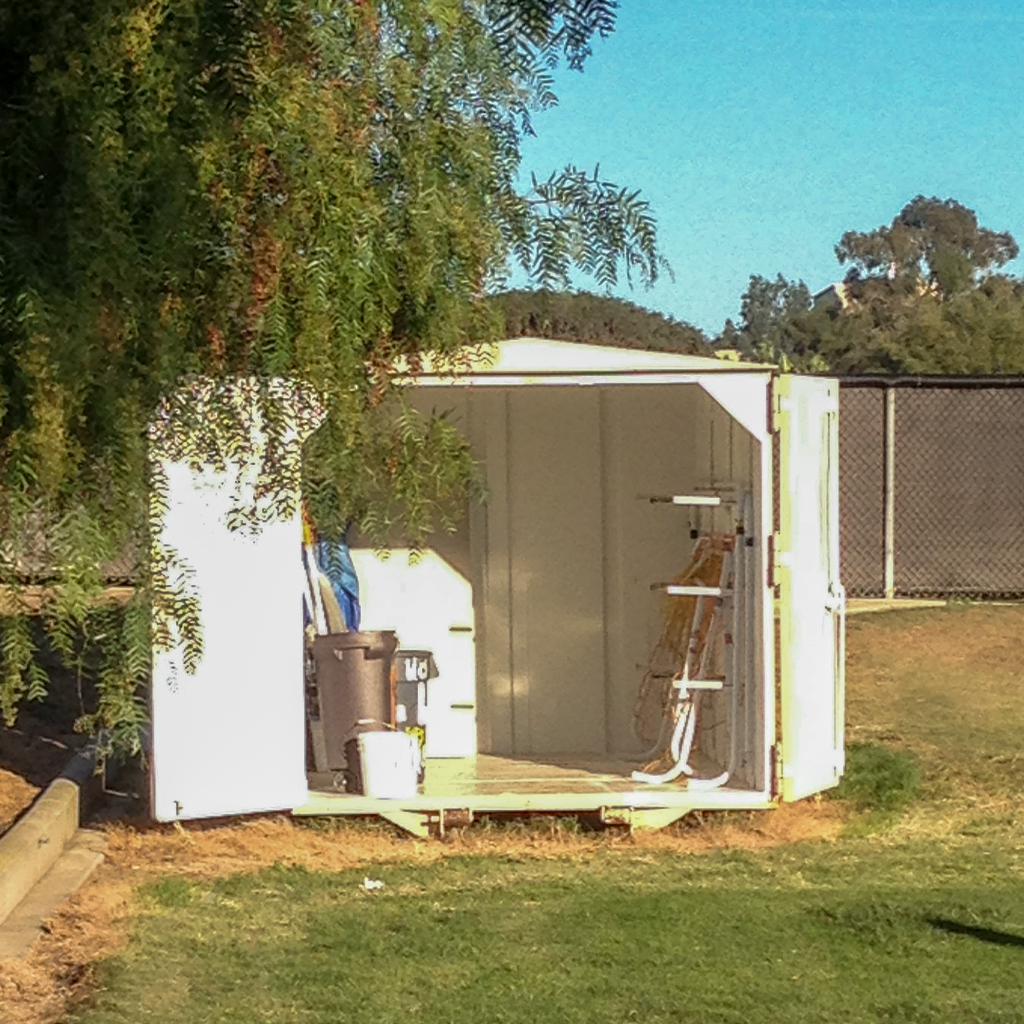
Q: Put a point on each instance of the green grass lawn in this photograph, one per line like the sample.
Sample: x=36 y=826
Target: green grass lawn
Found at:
x=920 y=920
x=814 y=933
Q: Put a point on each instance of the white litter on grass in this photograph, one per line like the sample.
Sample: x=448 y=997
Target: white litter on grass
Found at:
x=372 y=884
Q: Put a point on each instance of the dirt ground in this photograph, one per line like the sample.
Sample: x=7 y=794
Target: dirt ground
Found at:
x=93 y=924
x=15 y=795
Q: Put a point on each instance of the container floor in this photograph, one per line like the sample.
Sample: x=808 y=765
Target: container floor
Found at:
x=552 y=783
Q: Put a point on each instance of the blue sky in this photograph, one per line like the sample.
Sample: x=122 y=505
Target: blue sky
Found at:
x=761 y=131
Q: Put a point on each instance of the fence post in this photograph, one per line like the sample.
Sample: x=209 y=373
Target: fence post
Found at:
x=889 y=493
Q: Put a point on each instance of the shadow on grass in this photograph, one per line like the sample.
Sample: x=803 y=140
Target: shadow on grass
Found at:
x=982 y=934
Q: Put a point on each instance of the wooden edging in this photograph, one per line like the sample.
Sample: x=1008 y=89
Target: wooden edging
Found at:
x=857 y=605
x=31 y=598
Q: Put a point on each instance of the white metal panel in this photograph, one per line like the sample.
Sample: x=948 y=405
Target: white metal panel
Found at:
x=557 y=572
x=545 y=355
x=430 y=606
x=230 y=739
x=491 y=539
x=650 y=448
x=744 y=397
x=811 y=606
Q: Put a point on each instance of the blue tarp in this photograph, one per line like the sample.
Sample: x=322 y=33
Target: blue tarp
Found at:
x=335 y=563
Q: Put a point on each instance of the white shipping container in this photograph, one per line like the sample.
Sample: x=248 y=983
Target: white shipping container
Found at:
x=543 y=609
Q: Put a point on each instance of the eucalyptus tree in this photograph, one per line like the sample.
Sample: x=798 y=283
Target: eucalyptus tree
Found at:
x=200 y=192
x=925 y=293
x=932 y=244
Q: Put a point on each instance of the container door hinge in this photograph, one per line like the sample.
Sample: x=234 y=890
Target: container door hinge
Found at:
x=776 y=765
x=777 y=559
x=780 y=404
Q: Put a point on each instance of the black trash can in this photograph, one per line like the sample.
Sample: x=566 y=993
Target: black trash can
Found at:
x=355 y=690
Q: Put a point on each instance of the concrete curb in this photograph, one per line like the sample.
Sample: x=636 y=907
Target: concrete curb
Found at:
x=82 y=855
x=30 y=848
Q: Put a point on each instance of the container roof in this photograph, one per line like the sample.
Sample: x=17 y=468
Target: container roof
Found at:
x=530 y=356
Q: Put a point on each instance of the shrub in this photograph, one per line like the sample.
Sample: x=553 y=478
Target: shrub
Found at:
x=877 y=778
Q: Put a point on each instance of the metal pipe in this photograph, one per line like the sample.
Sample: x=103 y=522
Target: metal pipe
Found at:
x=754 y=728
x=739 y=639
x=889 y=493
x=682 y=723
x=972 y=383
x=737 y=724
x=729 y=568
x=682 y=734
x=744 y=591
x=735 y=676
x=679 y=590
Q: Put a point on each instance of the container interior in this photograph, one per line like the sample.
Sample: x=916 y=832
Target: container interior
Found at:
x=565 y=556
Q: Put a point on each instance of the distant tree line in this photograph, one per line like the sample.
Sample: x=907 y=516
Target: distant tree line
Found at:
x=923 y=294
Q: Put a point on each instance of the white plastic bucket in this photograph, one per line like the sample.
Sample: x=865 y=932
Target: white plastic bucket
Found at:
x=390 y=763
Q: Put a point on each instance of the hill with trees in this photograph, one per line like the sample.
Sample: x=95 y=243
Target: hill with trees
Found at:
x=596 y=319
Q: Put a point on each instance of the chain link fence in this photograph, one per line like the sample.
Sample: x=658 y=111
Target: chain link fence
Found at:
x=932 y=487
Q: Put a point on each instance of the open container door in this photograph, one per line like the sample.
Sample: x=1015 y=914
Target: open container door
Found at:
x=811 y=599
x=230 y=738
